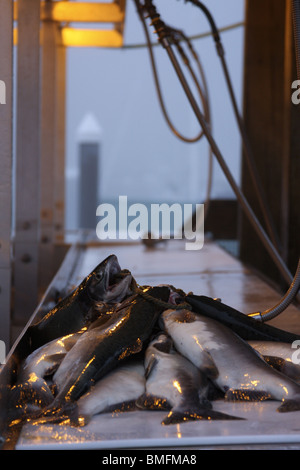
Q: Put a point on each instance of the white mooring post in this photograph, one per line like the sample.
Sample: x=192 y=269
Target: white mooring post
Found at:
x=89 y=135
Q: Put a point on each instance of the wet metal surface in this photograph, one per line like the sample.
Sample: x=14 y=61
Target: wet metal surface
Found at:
x=211 y=272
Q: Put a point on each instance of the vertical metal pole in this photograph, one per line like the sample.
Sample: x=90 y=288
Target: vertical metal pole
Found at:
x=59 y=179
x=27 y=160
x=48 y=130
x=6 y=77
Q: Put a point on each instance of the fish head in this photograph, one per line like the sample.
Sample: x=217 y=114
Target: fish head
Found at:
x=159 y=346
x=176 y=316
x=108 y=283
x=161 y=342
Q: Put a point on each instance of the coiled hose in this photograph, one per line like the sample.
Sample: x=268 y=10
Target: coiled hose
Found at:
x=284 y=302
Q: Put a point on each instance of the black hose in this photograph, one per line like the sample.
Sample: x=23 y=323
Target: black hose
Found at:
x=246 y=145
x=284 y=302
x=158 y=88
x=164 y=40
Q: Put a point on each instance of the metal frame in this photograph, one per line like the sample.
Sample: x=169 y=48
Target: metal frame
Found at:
x=36 y=210
x=27 y=160
x=6 y=132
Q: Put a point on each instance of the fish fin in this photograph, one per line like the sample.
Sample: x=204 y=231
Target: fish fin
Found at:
x=214 y=392
x=291 y=370
x=66 y=413
x=246 y=395
x=286 y=367
x=31 y=394
x=180 y=415
x=151 y=402
x=129 y=405
x=151 y=365
x=208 y=366
x=292 y=404
x=275 y=362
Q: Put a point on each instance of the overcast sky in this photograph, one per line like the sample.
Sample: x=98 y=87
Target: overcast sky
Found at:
x=140 y=157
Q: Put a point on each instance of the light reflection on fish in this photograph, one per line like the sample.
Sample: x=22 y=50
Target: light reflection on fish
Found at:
x=228 y=360
x=33 y=390
x=100 y=350
x=117 y=390
x=174 y=383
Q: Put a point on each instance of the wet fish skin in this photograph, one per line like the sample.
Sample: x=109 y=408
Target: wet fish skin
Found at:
x=279 y=356
x=118 y=388
x=75 y=311
x=100 y=350
x=27 y=399
x=174 y=383
x=32 y=390
x=243 y=325
x=45 y=360
x=229 y=361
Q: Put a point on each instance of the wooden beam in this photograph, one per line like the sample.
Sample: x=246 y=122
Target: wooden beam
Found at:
x=291 y=150
x=6 y=158
x=60 y=126
x=27 y=161
x=272 y=124
x=80 y=12
x=72 y=37
x=47 y=156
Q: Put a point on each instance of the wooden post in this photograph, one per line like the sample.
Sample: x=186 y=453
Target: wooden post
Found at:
x=47 y=161
x=6 y=108
x=272 y=123
x=291 y=153
x=59 y=169
x=27 y=160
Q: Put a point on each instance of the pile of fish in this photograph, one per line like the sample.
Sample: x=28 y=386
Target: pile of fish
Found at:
x=112 y=345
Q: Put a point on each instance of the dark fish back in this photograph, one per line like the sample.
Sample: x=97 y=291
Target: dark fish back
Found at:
x=246 y=327
x=124 y=334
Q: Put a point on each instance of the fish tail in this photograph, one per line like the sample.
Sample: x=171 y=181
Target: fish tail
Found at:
x=180 y=415
x=67 y=414
x=147 y=401
x=292 y=404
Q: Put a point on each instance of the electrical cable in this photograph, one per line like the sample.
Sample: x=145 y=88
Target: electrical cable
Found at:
x=194 y=37
x=176 y=36
x=158 y=89
x=284 y=302
x=246 y=145
x=206 y=104
x=163 y=35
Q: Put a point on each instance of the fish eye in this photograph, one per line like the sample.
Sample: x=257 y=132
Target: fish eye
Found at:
x=98 y=276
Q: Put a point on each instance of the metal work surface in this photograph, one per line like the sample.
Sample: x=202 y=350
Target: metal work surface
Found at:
x=143 y=429
x=212 y=272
